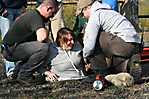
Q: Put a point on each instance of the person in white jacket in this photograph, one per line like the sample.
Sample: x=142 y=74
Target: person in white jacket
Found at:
x=115 y=36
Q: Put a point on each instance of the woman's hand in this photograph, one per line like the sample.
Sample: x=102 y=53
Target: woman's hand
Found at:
x=51 y=76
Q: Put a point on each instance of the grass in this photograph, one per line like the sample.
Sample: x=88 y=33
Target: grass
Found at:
x=74 y=90
x=144 y=10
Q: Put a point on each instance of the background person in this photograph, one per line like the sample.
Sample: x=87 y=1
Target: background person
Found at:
x=11 y=10
x=4 y=26
x=4 y=22
x=113 y=4
x=57 y=22
x=108 y=35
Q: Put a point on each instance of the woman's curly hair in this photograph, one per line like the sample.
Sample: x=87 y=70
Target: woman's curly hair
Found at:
x=62 y=36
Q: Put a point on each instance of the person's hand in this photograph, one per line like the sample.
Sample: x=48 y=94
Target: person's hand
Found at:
x=51 y=76
x=86 y=61
x=88 y=67
x=42 y=34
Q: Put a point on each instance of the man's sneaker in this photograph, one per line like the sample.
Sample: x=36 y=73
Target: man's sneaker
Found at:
x=24 y=82
x=135 y=68
x=39 y=78
x=31 y=80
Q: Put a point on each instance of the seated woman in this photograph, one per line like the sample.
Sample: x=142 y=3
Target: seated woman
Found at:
x=65 y=58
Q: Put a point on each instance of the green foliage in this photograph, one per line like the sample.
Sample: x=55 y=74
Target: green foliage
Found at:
x=69 y=15
x=144 y=22
x=144 y=10
x=30 y=7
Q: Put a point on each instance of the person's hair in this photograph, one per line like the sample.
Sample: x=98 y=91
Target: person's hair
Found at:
x=47 y=2
x=62 y=36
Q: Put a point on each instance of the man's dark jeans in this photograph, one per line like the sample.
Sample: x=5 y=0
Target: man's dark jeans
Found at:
x=33 y=55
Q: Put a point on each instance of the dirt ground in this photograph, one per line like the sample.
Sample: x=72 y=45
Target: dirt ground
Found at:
x=75 y=90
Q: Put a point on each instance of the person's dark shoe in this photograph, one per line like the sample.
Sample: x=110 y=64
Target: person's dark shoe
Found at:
x=25 y=79
x=39 y=78
x=25 y=82
x=34 y=79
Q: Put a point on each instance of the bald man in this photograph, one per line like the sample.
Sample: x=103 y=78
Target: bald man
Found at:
x=27 y=41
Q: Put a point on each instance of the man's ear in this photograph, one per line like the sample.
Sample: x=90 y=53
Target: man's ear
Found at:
x=48 y=8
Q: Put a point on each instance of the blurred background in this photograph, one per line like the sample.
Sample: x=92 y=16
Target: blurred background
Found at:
x=70 y=8
x=137 y=10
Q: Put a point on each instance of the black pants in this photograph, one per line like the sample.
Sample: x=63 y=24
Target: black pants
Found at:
x=33 y=55
x=112 y=52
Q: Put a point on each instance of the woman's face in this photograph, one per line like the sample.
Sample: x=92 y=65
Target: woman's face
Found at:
x=69 y=42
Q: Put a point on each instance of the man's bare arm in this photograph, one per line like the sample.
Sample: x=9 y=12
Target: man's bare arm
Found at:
x=42 y=35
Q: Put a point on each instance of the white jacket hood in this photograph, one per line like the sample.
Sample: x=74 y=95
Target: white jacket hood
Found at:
x=97 y=5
